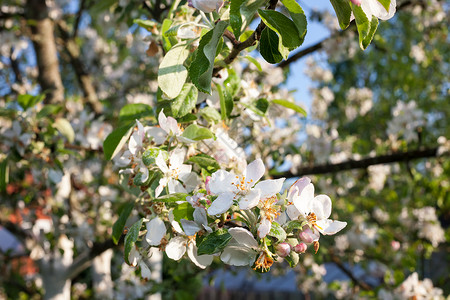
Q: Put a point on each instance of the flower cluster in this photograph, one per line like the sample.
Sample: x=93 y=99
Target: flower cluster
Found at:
x=231 y=213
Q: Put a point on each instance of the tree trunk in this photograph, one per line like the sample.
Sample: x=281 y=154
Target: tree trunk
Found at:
x=42 y=35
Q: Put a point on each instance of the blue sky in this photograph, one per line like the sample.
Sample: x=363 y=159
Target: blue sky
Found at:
x=316 y=32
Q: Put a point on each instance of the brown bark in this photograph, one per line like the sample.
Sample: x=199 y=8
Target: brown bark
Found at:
x=42 y=35
x=361 y=164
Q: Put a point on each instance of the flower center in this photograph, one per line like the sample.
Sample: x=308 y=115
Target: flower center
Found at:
x=242 y=185
x=174 y=173
x=264 y=262
x=268 y=210
x=312 y=218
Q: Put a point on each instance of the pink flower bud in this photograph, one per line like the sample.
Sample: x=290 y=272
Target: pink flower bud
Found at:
x=283 y=249
x=206 y=6
x=208 y=179
x=356 y=2
x=306 y=235
x=395 y=245
x=300 y=248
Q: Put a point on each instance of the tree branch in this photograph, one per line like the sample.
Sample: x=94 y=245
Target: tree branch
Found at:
x=42 y=30
x=337 y=261
x=360 y=164
x=84 y=78
x=302 y=53
x=78 y=18
x=250 y=41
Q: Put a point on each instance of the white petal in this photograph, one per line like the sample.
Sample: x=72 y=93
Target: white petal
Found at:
x=177 y=158
x=221 y=182
x=292 y=212
x=269 y=188
x=158 y=134
x=144 y=170
x=158 y=190
x=135 y=143
x=298 y=186
x=190 y=181
x=304 y=198
x=163 y=121
x=238 y=256
x=175 y=186
x=329 y=227
x=264 y=228
x=222 y=203
x=200 y=216
x=134 y=257
x=156 y=230
x=201 y=261
x=250 y=200
x=281 y=219
x=184 y=172
x=190 y=227
x=243 y=237
x=176 y=248
x=325 y=206
x=254 y=171
x=145 y=271
x=161 y=163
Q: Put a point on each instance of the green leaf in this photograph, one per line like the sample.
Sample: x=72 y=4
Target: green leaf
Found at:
x=150 y=155
x=385 y=3
x=254 y=61
x=292 y=259
x=172 y=197
x=49 y=109
x=196 y=133
x=343 y=12
x=214 y=242
x=168 y=41
x=119 y=225
x=268 y=46
x=202 y=66
x=226 y=102
x=64 y=127
x=146 y=24
x=232 y=84
x=292 y=225
x=134 y=111
x=298 y=17
x=290 y=105
x=366 y=28
x=183 y=211
x=210 y=114
x=236 y=17
x=262 y=105
x=206 y=162
x=286 y=29
x=115 y=140
x=277 y=232
x=185 y=102
x=131 y=238
x=187 y=119
x=4 y=174
x=171 y=73
x=26 y=101
x=248 y=11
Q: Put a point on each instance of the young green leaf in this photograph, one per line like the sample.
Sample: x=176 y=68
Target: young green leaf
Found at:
x=286 y=29
x=206 y=162
x=196 y=133
x=277 y=232
x=26 y=101
x=226 y=102
x=185 y=102
x=214 y=242
x=290 y=105
x=201 y=68
x=268 y=46
x=183 y=211
x=343 y=12
x=133 y=111
x=131 y=238
x=298 y=17
x=236 y=17
x=65 y=128
x=172 y=197
x=115 y=140
x=366 y=28
x=119 y=225
x=210 y=114
x=171 y=73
